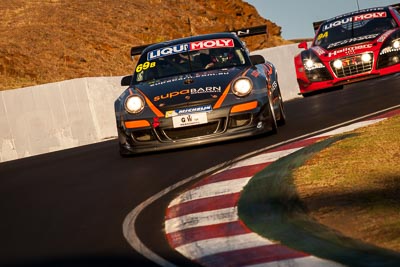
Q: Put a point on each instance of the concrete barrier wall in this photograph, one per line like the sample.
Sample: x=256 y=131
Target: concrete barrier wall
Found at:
x=283 y=59
x=50 y=117
x=55 y=116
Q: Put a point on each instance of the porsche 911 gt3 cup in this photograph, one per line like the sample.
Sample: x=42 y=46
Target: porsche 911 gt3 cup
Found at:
x=196 y=90
x=349 y=48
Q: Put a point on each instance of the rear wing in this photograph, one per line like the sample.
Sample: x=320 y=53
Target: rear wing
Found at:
x=245 y=32
x=396 y=6
x=318 y=23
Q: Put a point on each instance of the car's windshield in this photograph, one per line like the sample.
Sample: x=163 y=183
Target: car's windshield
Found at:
x=354 y=28
x=169 y=61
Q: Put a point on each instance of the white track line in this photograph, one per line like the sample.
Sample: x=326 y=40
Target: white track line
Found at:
x=264 y=158
x=211 y=246
x=351 y=127
x=211 y=190
x=198 y=219
x=309 y=261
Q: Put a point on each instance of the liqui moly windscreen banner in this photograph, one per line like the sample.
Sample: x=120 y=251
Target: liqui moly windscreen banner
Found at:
x=355 y=18
x=192 y=46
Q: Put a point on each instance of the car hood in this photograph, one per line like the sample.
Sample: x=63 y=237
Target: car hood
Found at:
x=356 y=41
x=353 y=41
x=351 y=46
x=189 y=89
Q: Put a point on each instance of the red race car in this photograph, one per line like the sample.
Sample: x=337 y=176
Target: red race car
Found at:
x=349 y=48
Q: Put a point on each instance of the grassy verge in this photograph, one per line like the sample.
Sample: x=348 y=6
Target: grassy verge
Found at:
x=353 y=186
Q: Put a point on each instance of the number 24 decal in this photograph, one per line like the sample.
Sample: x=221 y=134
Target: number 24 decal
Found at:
x=145 y=66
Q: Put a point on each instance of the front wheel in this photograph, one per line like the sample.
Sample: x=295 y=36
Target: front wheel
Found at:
x=124 y=152
x=282 y=114
x=272 y=120
x=281 y=118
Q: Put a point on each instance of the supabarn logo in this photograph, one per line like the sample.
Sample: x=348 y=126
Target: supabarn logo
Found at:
x=208 y=89
x=192 y=91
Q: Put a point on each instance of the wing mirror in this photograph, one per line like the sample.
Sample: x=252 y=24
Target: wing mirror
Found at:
x=303 y=45
x=126 y=80
x=257 y=59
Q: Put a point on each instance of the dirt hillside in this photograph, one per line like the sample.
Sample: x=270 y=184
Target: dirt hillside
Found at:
x=52 y=40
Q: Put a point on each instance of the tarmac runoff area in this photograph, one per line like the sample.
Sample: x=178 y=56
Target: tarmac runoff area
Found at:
x=249 y=214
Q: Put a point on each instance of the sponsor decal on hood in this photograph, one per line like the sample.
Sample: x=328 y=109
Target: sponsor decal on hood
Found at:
x=213 y=74
x=189 y=88
x=349 y=50
x=190 y=91
x=353 y=40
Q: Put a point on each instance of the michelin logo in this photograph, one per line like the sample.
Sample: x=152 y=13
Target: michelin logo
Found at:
x=177 y=112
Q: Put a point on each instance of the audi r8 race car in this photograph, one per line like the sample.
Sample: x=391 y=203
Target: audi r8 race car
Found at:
x=349 y=48
x=197 y=90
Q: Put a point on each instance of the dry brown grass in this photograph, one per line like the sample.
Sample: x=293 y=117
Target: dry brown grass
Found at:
x=354 y=185
x=53 y=40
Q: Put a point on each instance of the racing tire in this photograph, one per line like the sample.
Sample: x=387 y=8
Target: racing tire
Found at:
x=282 y=114
x=273 y=122
x=123 y=152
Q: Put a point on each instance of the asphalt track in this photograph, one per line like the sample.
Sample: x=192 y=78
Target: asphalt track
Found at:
x=68 y=208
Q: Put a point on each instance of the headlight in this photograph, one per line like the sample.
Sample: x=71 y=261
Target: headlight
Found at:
x=337 y=64
x=396 y=44
x=366 y=58
x=390 y=51
x=315 y=70
x=134 y=104
x=242 y=87
x=311 y=64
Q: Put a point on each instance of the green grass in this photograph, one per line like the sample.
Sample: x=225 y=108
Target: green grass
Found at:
x=357 y=177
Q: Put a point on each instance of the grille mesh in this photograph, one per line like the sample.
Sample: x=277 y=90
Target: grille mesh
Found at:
x=192 y=131
x=352 y=66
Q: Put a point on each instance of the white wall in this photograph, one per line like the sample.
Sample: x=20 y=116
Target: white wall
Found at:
x=283 y=59
x=50 y=117
x=55 y=116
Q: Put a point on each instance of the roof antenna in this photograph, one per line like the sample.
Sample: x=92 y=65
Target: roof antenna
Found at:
x=358 y=6
x=190 y=27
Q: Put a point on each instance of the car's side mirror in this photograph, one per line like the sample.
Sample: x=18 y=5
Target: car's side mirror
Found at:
x=303 y=45
x=257 y=59
x=126 y=80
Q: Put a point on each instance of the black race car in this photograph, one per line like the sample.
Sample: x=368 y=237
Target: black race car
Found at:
x=197 y=90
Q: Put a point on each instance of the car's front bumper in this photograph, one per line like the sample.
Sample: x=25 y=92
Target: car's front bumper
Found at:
x=222 y=125
x=306 y=86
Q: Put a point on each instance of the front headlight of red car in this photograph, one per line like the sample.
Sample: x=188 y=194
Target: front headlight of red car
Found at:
x=315 y=70
x=390 y=51
x=312 y=64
